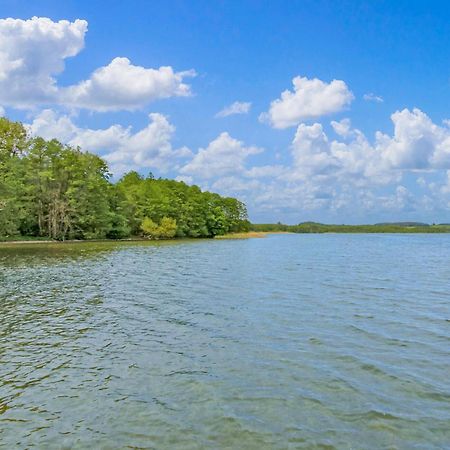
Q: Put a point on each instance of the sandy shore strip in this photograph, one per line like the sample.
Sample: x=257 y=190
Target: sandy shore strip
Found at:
x=250 y=234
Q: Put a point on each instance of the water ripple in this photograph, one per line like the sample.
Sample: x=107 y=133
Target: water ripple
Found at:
x=295 y=341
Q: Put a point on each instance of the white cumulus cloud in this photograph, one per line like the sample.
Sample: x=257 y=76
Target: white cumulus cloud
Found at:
x=342 y=128
x=32 y=55
x=224 y=155
x=235 y=108
x=310 y=99
x=417 y=142
x=352 y=174
x=32 y=52
x=123 y=86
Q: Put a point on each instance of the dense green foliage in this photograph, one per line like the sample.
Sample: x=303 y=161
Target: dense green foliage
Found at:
x=167 y=229
x=52 y=190
x=314 y=227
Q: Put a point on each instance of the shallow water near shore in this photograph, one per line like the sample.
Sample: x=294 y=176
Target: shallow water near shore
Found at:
x=292 y=341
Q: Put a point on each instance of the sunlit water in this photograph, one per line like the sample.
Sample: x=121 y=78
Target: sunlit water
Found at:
x=293 y=341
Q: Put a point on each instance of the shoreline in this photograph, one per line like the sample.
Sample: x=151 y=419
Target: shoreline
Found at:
x=78 y=241
x=248 y=235
x=228 y=236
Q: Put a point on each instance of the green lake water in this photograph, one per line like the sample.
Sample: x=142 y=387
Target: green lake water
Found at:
x=292 y=341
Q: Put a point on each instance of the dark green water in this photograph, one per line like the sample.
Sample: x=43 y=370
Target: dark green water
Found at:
x=293 y=341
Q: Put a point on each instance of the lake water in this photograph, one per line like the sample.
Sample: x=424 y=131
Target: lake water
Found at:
x=292 y=341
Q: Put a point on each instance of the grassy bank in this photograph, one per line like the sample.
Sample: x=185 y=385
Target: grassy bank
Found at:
x=247 y=235
x=43 y=240
x=250 y=234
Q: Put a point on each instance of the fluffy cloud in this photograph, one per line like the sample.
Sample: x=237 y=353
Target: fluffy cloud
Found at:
x=311 y=151
x=33 y=52
x=342 y=128
x=417 y=142
x=370 y=97
x=353 y=160
x=311 y=98
x=235 y=108
x=224 y=155
x=352 y=173
x=124 y=150
x=123 y=86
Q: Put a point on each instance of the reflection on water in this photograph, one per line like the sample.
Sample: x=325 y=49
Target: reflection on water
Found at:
x=294 y=341
x=12 y=254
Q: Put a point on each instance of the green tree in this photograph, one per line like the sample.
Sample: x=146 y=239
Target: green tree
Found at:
x=167 y=228
x=149 y=228
x=13 y=202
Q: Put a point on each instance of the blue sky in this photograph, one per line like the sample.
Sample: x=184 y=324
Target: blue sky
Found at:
x=362 y=137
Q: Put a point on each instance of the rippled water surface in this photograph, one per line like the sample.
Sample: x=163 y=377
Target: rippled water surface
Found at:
x=293 y=341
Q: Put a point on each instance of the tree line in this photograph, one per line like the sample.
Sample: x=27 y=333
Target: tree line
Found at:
x=51 y=190
x=314 y=227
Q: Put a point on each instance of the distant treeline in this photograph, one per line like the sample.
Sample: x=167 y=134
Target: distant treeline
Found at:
x=51 y=190
x=314 y=227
